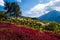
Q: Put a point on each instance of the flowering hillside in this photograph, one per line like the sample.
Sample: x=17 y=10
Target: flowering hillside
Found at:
x=13 y=32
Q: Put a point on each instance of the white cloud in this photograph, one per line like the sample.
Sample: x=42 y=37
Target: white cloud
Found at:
x=18 y=0
x=1 y=3
x=38 y=9
x=41 y=9
x=57 y=8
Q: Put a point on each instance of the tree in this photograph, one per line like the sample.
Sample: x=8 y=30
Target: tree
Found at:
x=13 y=9
x=7 y=7
x=3 y=16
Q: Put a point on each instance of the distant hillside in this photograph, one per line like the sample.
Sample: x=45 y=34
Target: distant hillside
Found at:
x=51 y=16
x=34 y=18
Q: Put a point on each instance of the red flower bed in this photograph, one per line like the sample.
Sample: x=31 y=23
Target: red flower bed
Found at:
x=12 y=32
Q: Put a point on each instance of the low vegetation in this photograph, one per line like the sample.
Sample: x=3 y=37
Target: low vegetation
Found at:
x=10 y=31
x=34 y=24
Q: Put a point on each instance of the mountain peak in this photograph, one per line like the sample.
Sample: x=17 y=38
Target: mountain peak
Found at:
x=51 y=16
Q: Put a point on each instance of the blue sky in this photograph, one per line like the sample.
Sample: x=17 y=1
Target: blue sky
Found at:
x=35 y=8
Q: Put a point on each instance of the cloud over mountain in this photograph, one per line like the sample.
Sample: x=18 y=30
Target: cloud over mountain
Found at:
x=42 y=8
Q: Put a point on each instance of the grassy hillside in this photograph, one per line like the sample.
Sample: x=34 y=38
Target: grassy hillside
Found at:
x=10 y=31
x=12 y=28
x=34 y=24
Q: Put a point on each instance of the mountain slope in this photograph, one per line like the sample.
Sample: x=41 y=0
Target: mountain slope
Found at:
x=51 y=16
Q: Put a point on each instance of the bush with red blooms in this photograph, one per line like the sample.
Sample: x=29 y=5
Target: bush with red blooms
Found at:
x=12 y=32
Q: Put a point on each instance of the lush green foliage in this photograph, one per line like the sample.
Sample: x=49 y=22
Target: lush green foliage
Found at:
x=13 y=9
x=3 y=16
x=36 y=24
x=52 y=26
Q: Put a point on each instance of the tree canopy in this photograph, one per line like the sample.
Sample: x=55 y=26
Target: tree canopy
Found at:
x=12 y=9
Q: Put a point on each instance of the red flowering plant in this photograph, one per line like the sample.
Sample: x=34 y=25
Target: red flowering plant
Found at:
x=13 y=32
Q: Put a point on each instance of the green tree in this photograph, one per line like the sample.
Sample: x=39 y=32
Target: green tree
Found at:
x=7 y=8
x=16 y=9
x=3 y=16
x=52 y=26
x=13 y=9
